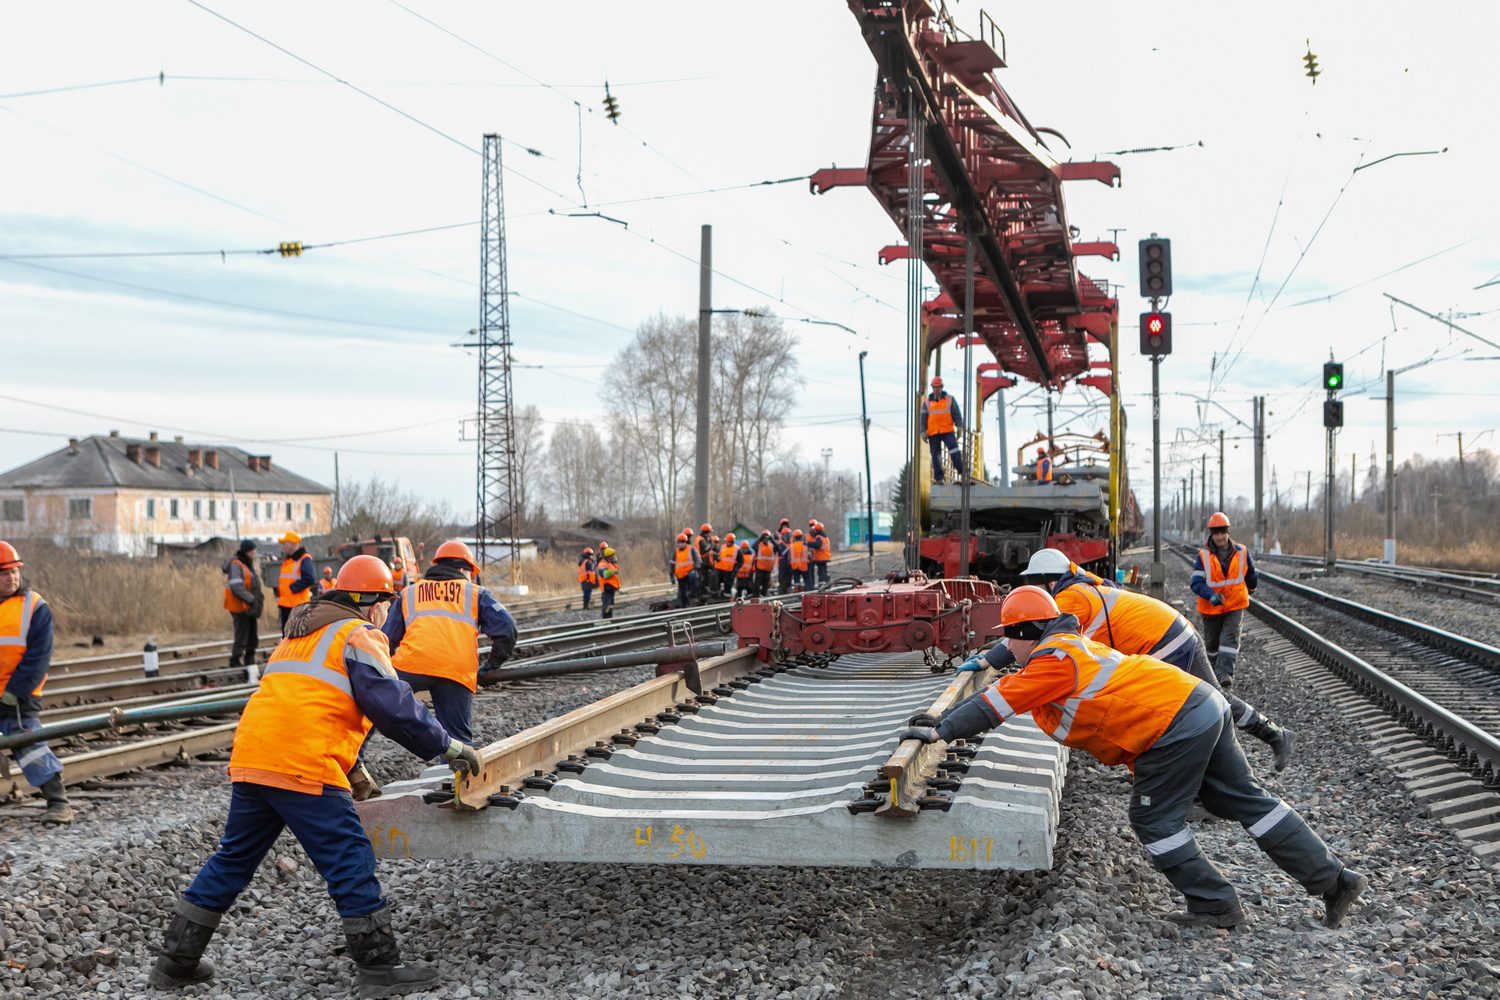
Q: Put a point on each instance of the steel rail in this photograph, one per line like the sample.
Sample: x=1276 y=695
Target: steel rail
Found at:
x=913 y=763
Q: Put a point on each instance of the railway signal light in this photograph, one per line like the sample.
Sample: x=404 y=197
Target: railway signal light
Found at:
x=1333 y=375
x=290 y=249
x=1333 y=413
x=1311 y=62
x=611 y=105
x=1156 y=267
x=1156 y=333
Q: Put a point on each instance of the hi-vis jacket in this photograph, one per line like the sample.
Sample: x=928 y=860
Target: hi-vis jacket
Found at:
x=295 y=584
x=25 y=643
x=609 y=573
x=434 y=627
x=1233 y=578
x=1121 y=619
x=725 y=562
x=322 y=688
x=1083 y=694
x=940 y=415
x=588 y=571
x=684 y=561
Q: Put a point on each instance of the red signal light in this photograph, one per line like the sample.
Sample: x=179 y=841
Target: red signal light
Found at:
x=1154 y=323
x=1156 y=333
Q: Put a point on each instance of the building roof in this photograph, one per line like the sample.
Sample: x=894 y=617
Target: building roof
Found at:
x=107 y=462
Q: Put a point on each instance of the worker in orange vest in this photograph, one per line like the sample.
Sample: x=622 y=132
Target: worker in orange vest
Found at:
x=609 y=580
x=398 y=574
x=766 y=554
x=1175 y=734
x=783 y=561
x=685 y=570
x=821 y=547
x=1137 y=623
x=588 y=575
x=940 y=420
x=1042 y=470
x=704 y=548
x=327 y=682
x=434 y=629
x=244 y=600
x=25 y=657
x=798 y=558
x=326 y=583
x=724 y=567
x=298 y=580
x=744 y=571
x=1223 y=579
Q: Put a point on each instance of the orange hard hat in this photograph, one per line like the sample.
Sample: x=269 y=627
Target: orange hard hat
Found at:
x=706 y=527
x=786 y=520
x=588 y=551
x=365 y=575
x=797 y=533
x=1217 y=520
x=937 y=381
x=745 y=546
x=1028 y=604
x=9 y=557
x=729 y=537
x=454 y=549
x=328 y=572
x=683 y=537
x=1041 y=451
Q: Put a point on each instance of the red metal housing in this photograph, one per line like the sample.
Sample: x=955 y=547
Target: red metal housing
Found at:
x=952 y=616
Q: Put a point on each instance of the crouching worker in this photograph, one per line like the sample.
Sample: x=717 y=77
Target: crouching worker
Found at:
x=324 y=685
x=1176 y=735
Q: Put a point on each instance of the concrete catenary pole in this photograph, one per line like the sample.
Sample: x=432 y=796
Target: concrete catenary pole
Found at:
x=1221 y=469
x=864 y=420
x=705 y=374
x=1388 y=555
x=1260 y=472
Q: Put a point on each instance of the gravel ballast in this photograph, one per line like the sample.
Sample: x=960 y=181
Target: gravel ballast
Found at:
x=83 y=906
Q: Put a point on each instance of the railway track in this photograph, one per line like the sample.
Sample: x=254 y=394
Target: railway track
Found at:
x=1479 y=586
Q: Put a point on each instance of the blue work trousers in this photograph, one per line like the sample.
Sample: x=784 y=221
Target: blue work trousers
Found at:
x=38 y=763
x=325 y=825
x=452 y=703
x=687 y=589
x=588 y=590
x=936 y=443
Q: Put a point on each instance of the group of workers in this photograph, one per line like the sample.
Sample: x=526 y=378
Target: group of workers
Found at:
x=941 y=420
x=602 y=573
x=707 y=567
x=1125 y=677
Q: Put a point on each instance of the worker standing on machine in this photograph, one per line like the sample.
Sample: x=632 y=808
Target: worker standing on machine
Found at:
x=1138 y=623
x=766 y=554
x=1175 y=734
x=25 y=657
x=588 y=575
x=609 y=580
x=1043 y=468
x=685 y=570
x=940 y=420
x=325 y=684
x=1223 y=579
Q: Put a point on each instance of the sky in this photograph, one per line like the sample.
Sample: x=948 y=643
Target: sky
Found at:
x=1283 y=254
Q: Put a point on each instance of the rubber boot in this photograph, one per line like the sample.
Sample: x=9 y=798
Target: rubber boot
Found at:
x=1276 y=737
x=1337 y=900
x=362 y=784
x=180 y=962
x=58 y=810
x=373 y=947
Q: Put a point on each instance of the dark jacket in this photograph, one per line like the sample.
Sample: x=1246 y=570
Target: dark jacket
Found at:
x=252 y=593
x=37 y=659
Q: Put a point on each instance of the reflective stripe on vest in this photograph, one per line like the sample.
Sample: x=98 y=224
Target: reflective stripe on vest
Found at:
x=939 y=415
x=15 y=622
x=442 y=630
x=316 y=665
x=1232 y=587
x=465 y=599
x=1108 y=664
x=824 y=550
x=232 y=602
x=798 y=553
x=725 y=561
x=765 y=556
x=682 y=562
x=290 y=572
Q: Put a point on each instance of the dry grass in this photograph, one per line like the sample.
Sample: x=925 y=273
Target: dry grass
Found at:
x=556 y=572
x=1360 y=534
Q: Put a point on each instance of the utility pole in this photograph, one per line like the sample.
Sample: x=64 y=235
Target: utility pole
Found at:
x=1388 y=556
x=1004 y=445
x=336 y=492
x=705 y=374
x=1260 y=469
x=1307 y=497
x=1192 y=505
x=967 y=453
x=1353 y=475
x=1157 y=583
x=1221 y=468
x=864 y=421
x=1049 y=422
x=1203 y=483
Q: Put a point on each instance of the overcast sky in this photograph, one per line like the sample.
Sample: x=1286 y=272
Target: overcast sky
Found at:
x=244 y=146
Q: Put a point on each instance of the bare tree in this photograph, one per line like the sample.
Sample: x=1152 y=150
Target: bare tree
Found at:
x=655 y=400
x=377 y=506
x=755 y=384
x=531 y=452
x=577 y=457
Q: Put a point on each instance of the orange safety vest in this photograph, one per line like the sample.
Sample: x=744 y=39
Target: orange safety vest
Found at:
x=1085 y=695
x=586 y=572
x=765 y=556
x=442 y=631
x=746 y=565
x=15 y=621
x=325 y=585
x=302 y=728
x=798 y=554
x=1121 y=619
x=725 y=562
x=1044 y=469
x=822 y=548
x=682 y=562
x=939 y=415
x=1231 y=585
x=398 y=577
x=289 y=571
x=609 y=573
x=233 y=604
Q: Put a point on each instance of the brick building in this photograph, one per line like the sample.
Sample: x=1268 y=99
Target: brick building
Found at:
x=127 y=495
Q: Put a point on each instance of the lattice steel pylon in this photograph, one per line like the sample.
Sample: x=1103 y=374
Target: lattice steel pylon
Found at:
x=496 y=517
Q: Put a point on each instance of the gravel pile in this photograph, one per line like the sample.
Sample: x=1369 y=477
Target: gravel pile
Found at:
x=1092 y=928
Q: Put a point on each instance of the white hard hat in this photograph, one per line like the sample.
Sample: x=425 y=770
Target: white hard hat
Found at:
x=1048 y=562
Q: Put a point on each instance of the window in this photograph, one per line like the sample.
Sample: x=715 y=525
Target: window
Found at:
x=172 y=509
x=288 y=511
x=213 y=509
x=307 y=512
x=15 y=510
x=150 y=508
x=255 y=510
x=81 y=509
x=197 y=509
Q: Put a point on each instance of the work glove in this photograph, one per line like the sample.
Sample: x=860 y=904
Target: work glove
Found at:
x=927 y=734
x=1216 y=600
x=975 y=663
x=462 y=758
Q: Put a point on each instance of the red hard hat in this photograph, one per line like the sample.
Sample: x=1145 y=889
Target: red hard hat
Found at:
x=937 y=381
x=705 y=526
x=1028 y=604
x=1217 y=520
x=365 y=575
x=454 y=549
x=9 y=557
